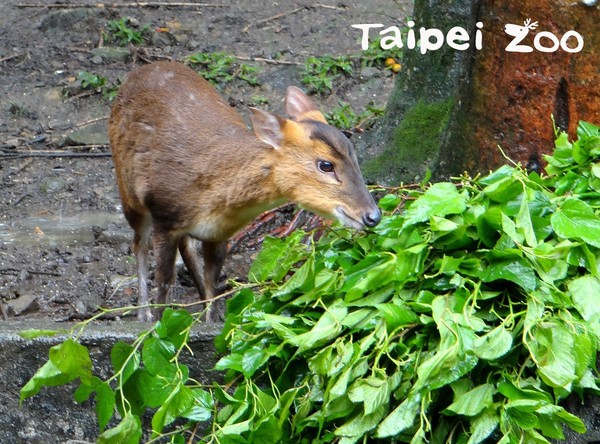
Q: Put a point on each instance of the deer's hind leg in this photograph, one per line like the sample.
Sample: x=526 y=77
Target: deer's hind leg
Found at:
x=189 y=254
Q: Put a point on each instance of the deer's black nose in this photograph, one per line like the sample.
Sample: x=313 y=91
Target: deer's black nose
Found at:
x=372 y=218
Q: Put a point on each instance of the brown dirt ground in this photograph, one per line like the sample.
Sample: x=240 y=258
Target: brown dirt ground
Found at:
x=64 y=246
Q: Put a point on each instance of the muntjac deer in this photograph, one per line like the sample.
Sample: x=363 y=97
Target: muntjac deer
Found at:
x=189 y=168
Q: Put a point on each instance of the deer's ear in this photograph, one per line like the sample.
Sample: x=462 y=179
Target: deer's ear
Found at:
x=299 y=106
x=267 y=127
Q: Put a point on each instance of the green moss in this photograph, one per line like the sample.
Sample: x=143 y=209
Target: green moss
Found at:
x=415 y=144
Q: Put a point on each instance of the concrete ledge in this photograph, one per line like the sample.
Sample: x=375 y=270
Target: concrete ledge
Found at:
x=52 y=416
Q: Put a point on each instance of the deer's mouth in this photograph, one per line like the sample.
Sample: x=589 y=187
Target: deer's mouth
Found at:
x=341 y=214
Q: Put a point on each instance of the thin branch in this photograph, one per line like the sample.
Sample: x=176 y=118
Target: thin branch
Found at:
x=44 y=273
x=89 y=122
x=121 y=5
x=321 y=5
x=14 y=56
x=23 y=154
x=267 y=61
x=274 y=17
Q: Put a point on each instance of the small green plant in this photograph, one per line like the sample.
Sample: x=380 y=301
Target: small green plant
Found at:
x=344 y=117
x=320 y=72
x=247 y=73
x=220 y=68
x=119 y=31
x=98 y=83
x=376 y=56
x=260 y=100
x=91 y=81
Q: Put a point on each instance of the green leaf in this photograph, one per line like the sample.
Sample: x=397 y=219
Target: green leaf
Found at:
x=552 y=350
x=157 y=353
x=504 y=172
x=515 y=270
x=267 y=431
x=575 y=219
x=105 y=404
x=397 y=315
x=372 y=277
x=518 y=393
x=105 y=399
x=72 y=358
x=181 y=400
x=277 y=257
x=441 y=199
x=125 y=359
x=232 y=361
x=49 y=375
x=34 y=333
x=494 y=344
x=389 y=202
x=505 y=189
x=156 y=389
x=586 y=129
x=374 y=393
x=360 y=424
x=482 y=426
x=202 y=407
x=444 y=367
x=524 y=221
x=558 y=414
x=401 y=418
x=585 y=292
x=253 y=359
x=128 y=431
x=327 y=328
x=174 y=326
x=474 y=401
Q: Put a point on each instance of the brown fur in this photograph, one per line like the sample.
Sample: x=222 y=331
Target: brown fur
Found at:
x=188 y=167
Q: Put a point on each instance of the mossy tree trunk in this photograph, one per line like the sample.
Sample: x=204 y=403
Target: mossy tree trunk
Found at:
x=450 y=109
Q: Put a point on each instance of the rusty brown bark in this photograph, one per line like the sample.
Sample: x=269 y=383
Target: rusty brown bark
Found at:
x=513 y=95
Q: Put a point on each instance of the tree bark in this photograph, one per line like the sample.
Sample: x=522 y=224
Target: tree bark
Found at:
x=450 y=110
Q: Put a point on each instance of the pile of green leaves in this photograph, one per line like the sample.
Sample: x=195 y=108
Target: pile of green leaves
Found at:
x=466 y=316
x=469 y=316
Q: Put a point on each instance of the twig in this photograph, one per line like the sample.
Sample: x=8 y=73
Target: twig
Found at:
x=14 y=56
x=15 y=173
x=44 y=273
x=263 y=219
x=292 y=225
x=51 y=154
x=89 y=122
x=267 y=61
x=24 y=165
x=81 y=95
x=321 y=5
x=21 y=199
x=274 y=17
x=120 y=5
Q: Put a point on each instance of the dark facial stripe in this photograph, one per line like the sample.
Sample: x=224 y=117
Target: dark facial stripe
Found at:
x=341 y=146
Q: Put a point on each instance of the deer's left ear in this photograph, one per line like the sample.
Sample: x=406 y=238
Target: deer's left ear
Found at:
x=299 y=106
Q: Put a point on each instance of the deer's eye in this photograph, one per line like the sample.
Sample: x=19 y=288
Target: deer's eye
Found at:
x=325 y=166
